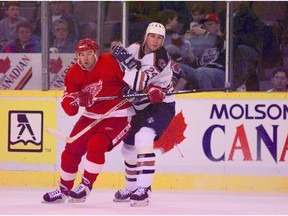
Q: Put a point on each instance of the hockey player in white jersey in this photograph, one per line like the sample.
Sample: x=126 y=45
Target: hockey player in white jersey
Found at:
x=147 y=69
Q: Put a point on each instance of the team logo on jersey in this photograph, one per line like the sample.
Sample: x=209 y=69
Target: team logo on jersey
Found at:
x=150 y=120
x=176 y=68
x=162 y=63
x=25 y=131
x=94 y=88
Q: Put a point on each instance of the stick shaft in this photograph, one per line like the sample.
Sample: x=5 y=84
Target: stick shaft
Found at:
x=56 y=133
x=168 y=93
x=76 y=136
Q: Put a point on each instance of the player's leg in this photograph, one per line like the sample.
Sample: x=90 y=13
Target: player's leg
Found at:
x=104 y=140
x=144 y=141
x=154 y=120
x=130 y=162
x=95 y=158
x=129 y=154
x=70 y=160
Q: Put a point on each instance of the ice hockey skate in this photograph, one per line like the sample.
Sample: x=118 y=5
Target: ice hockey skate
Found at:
x=123 y=195
x=80 y=193
x=140 y=197
x=56 y=196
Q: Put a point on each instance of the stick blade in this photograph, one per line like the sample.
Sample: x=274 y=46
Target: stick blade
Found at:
x=56 y=134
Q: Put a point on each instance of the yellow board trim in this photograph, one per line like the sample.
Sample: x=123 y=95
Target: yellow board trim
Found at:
x=232 y=183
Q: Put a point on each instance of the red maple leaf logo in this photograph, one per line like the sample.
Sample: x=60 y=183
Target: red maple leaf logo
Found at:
x=4 y=65
x=56 y=65
x=174 y=134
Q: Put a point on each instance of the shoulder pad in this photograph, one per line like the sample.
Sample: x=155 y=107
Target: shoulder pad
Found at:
x=162 y=59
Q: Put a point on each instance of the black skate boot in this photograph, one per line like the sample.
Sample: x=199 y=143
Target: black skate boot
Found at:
x=123 y=195
x=141 y=196
x=80 y=193
x=57 y=196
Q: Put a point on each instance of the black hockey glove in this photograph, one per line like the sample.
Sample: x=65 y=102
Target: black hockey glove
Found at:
x=127 y=92
x=125 y=58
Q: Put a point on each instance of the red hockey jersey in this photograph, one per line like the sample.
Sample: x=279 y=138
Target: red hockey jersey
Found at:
x=105 y=79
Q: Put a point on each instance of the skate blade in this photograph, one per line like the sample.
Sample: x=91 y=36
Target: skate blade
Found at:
x=121 y=200
x=54 y=202
x=136 y=203
x=73 y=200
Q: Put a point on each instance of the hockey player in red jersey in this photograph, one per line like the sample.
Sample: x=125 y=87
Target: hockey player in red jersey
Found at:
x=147 y=68
x=89 y=78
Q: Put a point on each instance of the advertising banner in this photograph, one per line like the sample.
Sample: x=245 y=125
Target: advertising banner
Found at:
x=59 y=65
x=23 y=136
x=216 y=141
x=23 y=71
x=228 y=136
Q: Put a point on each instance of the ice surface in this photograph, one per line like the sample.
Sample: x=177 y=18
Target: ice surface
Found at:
x=27 y=201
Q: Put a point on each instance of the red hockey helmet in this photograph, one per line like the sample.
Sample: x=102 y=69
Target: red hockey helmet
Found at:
x=86 y=44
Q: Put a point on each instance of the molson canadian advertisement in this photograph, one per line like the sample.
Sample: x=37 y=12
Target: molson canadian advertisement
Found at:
x=23 y=71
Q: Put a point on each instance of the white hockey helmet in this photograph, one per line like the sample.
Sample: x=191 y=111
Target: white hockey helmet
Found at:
x=155 y=28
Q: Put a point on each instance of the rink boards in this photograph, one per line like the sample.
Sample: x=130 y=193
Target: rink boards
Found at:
x=227 y=141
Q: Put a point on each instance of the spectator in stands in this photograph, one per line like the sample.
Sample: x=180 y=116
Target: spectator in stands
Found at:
x=196 y=41
x=198 y=13
x=61 y=42
x=57 y=12
x=177 y=46
x=181 y=8
x=25 y=41
x=9 y=24
x=141 y=13
x=87 y=30
x=56 y=9
x=175 y=42
x=247 y=42
x=279 y=80
x=209 y=67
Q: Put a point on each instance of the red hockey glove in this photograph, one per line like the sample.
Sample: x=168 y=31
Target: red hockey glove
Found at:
x=84 y=99
x=156 y=94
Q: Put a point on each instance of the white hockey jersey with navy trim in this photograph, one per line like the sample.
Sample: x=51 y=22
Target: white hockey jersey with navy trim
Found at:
x=155 y=69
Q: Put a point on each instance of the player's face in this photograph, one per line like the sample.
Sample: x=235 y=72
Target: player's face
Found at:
x=87 y=58
x=153 y=42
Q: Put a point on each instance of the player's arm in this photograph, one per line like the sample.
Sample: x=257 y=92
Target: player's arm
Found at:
x=127 y=60
x=179 y=77
x=73 y=96
x=67 y=99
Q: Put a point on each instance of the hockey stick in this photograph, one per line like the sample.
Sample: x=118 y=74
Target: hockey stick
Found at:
x=227 y=89
x=57 y=134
